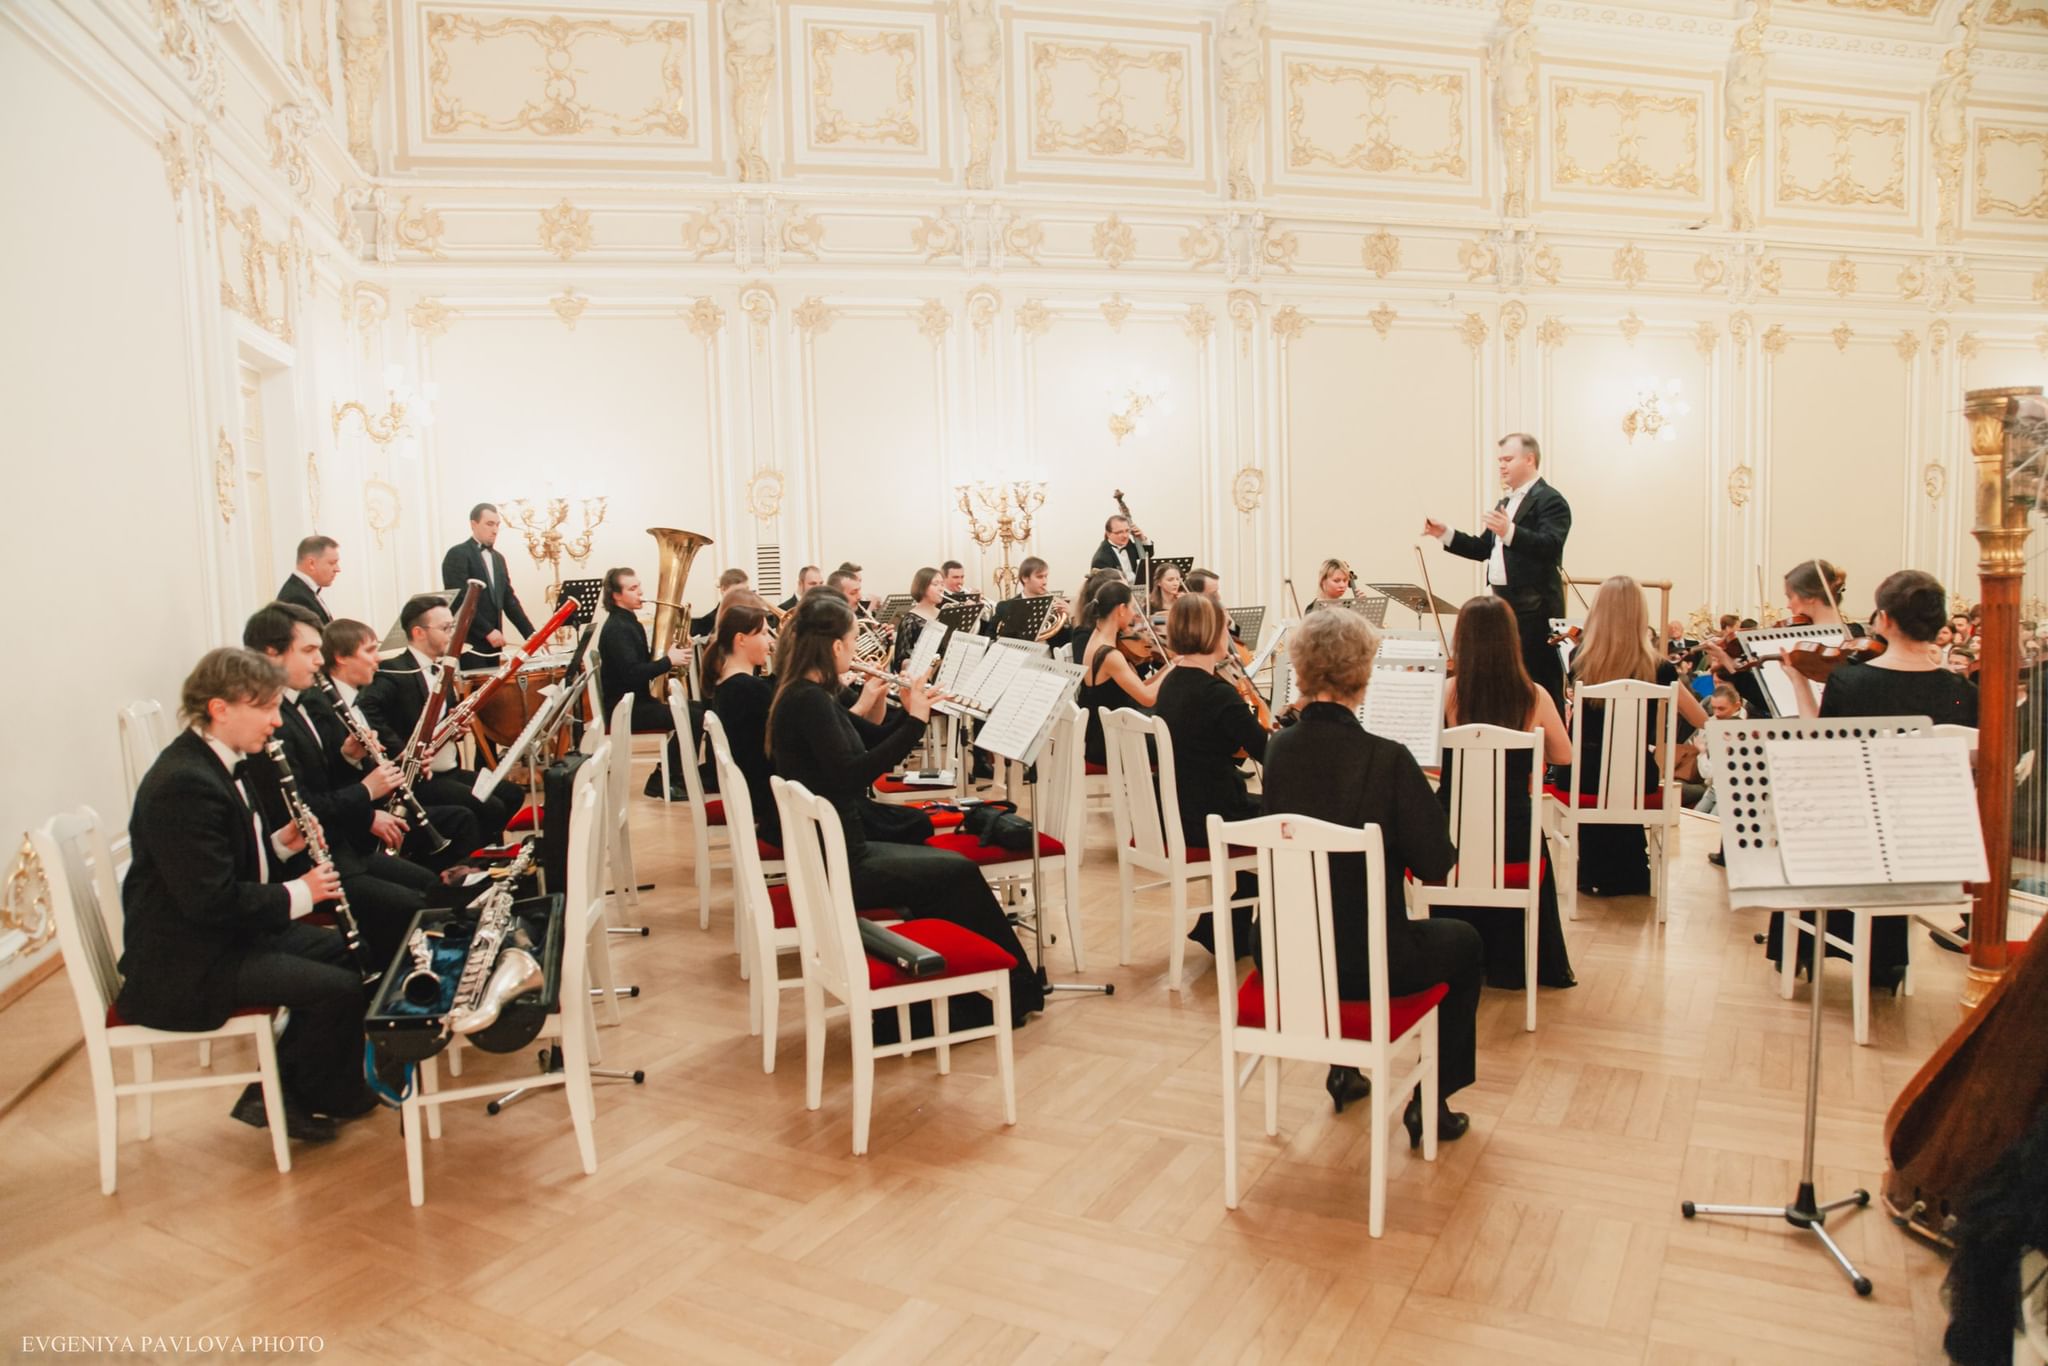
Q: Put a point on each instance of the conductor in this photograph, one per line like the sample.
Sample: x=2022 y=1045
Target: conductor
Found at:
x=1523 y=548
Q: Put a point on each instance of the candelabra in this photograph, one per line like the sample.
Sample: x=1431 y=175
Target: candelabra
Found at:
x=1009 y=505
x=545 y=541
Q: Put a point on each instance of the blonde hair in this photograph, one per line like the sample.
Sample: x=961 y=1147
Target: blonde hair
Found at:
x=1616 y=641
x=1332 y=654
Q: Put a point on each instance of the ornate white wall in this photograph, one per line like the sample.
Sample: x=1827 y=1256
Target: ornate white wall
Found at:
x=786 y=273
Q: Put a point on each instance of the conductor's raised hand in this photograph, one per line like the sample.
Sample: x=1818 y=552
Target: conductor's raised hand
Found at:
x=1432 y=527
x=1496 y=521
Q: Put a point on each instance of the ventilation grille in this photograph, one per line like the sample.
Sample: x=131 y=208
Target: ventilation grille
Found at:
x=768 y=571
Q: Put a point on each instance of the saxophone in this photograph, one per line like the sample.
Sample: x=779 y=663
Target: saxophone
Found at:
x=316 y=845
x=500 y=966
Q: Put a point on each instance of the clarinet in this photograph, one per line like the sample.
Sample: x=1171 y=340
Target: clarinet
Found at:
x=316 y=845
x=403 y=794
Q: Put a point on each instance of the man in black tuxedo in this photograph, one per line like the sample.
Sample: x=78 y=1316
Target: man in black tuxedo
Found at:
x=384 y=890
x=1124 y=549
x=394 y=700
x=626 y=666
x=478 y=558
x=212 y=921
x=319 y=561
x=350 y=651
x=701 y=626
x=1523 y=548
x=807 y=578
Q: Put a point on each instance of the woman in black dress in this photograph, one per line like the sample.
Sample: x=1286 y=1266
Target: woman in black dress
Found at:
x=1108 y=679
x=1212 y=730
x=1616 y=644
x=815 y=741
x=927 y=594
x=1493 y=688
x=1331 y=768
x=1906 y=680
x=740 y=698
x=1813 y=593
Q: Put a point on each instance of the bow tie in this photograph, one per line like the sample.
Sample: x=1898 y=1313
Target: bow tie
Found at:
x=1501 y=506
x=240 y=770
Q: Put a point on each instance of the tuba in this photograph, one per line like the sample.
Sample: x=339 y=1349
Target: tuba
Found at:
x=671 y=620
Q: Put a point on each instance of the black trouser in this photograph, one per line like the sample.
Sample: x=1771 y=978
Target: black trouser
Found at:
x=454 y=824
x=452 y=789
x=384 y=893
x=939 y=884
x=650 y=717
x=1446 y=951
x=1539 y=656
x=307 y=969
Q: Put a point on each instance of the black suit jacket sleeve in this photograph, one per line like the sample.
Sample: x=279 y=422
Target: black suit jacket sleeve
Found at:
x=189 y=827
x=624 y=661
x=1533 y=558
x=294 y=591
x=392 y=703
x=343 y=808
x=512 y=609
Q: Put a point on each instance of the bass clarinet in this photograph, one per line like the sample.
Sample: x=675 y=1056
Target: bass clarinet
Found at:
x=403 y=794
x=316 y=845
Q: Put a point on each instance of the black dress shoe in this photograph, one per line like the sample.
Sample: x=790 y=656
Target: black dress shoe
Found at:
x=1961 y=932
x=1562 y=982
x=363 y=1102
x=1450 y=1124
x=653 y=788
x=1718 y=858
x=298 y=1123
x=1346 y=1084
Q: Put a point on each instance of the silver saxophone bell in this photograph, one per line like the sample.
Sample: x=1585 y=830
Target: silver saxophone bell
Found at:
x=516 y=973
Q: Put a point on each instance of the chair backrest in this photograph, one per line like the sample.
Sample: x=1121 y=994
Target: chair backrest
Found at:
x=1634 y=716
x=584 y=896
x=144 y=733
x=1968 y=733
x=693 y=781
x=821 y=890
x=619 y=776
x=1059 y=781
x=78 y=867
x=1298 y=955
x=1146 y=820
x=595 y=697
x=1480 y=792
x=748 y=875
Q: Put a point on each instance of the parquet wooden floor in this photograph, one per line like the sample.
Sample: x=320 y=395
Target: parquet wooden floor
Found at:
x=728 y=1224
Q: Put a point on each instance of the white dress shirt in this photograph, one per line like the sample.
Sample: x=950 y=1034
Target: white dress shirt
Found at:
x=1496 y=563
x=1127 y=557
x=444 y=758
x=302 y=897
x=485 y=552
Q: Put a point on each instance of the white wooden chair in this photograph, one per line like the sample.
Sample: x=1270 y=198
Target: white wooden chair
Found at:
x=1488 y=872
x=145 y=730
x=1289 y=1008
x=834 y=961
x=1630 y=726
x=572 y=1024
x=768 y=923
x=707 y=819
x=78 y=866
x=1148 y=833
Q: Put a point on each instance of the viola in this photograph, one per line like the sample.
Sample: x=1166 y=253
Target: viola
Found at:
x=1569 y=633
x=1812 y=660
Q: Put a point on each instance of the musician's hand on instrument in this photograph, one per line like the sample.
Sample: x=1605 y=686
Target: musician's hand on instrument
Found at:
x=871 y=688
x=1432 y=527
x=678 y=656
x=1496 y=521
x=496 y=640
x=1717 y=656
x=353 y=751
x=918 y=699
x=388 y=829
x=382 y=781
x=324 y=883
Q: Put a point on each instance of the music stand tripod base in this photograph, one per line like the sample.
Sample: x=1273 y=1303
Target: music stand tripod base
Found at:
x=1806 y=1212
x=551 y=1062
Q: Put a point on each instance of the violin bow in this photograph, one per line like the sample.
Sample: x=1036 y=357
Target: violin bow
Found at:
x=1435 y=616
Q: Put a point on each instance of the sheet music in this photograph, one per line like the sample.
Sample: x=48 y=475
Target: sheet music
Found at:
x=1777 y=685
x=1001 y=668
x=926 y=648
x=1927 y=809
x=1406 y=650
x=963 y=652
x=1025 y=710
x=1827 y=824
x=1408 y=706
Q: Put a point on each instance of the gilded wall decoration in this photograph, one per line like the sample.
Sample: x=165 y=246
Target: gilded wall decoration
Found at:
x=310 y=36
x=177 y=170
x=1545 y=264
x=977 y=61
x=185 y=35
x=1770 y=273
x=1743 y=120
x=1967 y=346
x=1289 y=323
x=1709 y=270
x=2041 y=341
x=1552 y=334
x=1033 y=318
x=1472 y=330
x=382 y=511
x=1912 y=281
x=983 y=306
x=1618 y=122
x=1907 y=345
x=1631 y=327
x=707 y=233
x=757 y=302
x=765 y=490
x=1512 y=60
x=1117 y=129
x=1478 y=259
x=1775 y=339
x=26 y=916
x=2041 y=288
x=1739 y=328
x=347 y=199
x=547 y=48
x=1841 y=160
x=1948 y=106
x=1378 y=108
x=1842 y=335
x=1243 y=307
x=2012 y=161
x=1115 y=309
x=1114 y=242
x=569 y=306
x=1514 y=316
x=1381 y=253
x=894 y=124
x=313 y=490
x=1631 y=266
x=1024 y=239
x=1203 y=244
x=1933 y=481
x=1382 y=320
x=1248 y=489
x=288 y=127
x=750 y=62
x=934 y=320
x=420 y=230
x=1842 y=276
x=430 y=318
x=1241 y=64
x=706 y=318
x=1949 y=283
x=1741 y=480
x=1278 y=248
x=1198 y=322
x=224 y=477
x=565 y=229
x=813 y=316
x=2017 y=14
x=1705 y=338
x=364 y=307
x=801 y=233
x=365 y=40
x=250 y=265
x=933 y=238
x=1937 y=333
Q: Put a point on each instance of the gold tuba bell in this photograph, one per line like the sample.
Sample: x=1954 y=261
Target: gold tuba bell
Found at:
x=671 y=618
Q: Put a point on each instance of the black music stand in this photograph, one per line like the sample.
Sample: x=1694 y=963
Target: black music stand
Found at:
x=1184 y=563
x=893 y=607
x=586 y=592
x=1250 y=623
x=1416 y=599
x=961 y=616
x=395 y=639
x=1373 y=609
x=1023 y=618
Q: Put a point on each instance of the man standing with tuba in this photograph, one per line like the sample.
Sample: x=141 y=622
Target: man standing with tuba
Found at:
x=626 y=666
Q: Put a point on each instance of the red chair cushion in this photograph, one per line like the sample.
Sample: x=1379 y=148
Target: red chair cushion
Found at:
x=114 y=1020
x=769 y=853
x=1094 y=770
x=886 y=784
x=972 y=847
x=1514 y=876
x=965 y=952
x=941 y=820
x=528 y=816
x=1653 y=799
x=714 y=811
x=1354 y=1018
x=785 y=910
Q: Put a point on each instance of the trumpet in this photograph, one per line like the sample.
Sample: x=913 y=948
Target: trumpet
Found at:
x=316 y=845
x=403 y=794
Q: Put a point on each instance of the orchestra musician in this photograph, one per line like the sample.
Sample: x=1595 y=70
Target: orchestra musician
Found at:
x=626 y=666
x=1209 y=584
x=927 y=592
x=730 y=579
x=845 y=581
x=1493 y=688
x=1167 y=588
x=740 y=698
x=384 y=890
x=318 y=561
x=1109 y=680
x=395 y=698
x=478 y=558
x=1090 y=586
x=215 y=898
x=1813 y=594
x=813 y=740
x=1124 y=549
x=1033 y=579
x=350 y=651
x=953 y=580
x=1330 y=767
x=1522 y=545
x=1335 y=582
x=807 y=578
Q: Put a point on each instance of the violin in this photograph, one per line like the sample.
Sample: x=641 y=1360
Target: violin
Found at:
x=1569 y=634
x=1743 y=666
x=1812 y=660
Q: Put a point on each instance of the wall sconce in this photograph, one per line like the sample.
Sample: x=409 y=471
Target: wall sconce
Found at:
x=404 y=400
x=1658 y=408
x=1138 y=398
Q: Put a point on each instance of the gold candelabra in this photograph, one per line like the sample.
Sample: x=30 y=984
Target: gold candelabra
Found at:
x=1009 y=505
x=545 y=541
